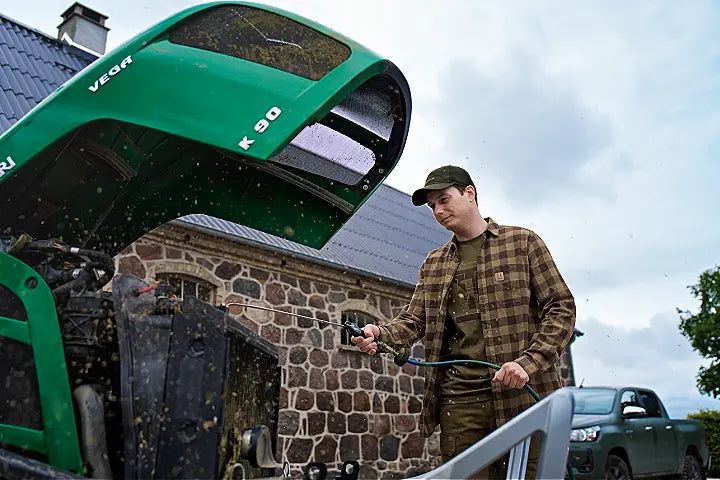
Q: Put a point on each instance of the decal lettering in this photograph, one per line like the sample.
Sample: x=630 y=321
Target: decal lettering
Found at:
x=6 y=166
x=114 y=70
x=261 y=126
x=245 y=143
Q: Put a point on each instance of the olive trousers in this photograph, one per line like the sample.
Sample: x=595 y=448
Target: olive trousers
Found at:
x=464 y=424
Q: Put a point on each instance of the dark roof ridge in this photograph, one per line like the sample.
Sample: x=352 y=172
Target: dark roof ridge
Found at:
x=45 y=36
x=31 y=29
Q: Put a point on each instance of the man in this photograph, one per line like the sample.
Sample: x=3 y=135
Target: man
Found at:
x=491 y=293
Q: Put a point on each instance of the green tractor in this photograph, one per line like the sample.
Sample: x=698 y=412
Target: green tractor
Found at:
x=235 y=110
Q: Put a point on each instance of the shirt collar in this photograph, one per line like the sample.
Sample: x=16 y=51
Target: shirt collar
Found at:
x=492 y=228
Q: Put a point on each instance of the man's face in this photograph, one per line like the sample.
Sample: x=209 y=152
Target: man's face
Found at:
x=450 y=207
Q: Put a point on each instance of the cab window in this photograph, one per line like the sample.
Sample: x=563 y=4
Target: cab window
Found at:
x=262 y=37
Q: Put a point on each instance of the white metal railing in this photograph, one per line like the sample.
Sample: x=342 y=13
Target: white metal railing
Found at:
x=550 y=420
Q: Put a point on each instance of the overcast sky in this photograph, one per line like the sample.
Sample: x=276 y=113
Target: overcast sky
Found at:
x=594 y=124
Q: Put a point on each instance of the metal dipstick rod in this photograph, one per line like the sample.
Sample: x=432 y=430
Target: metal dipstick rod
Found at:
x=351 y=327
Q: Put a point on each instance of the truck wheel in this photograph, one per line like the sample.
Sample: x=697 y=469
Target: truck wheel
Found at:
x=692 y=470
x=616 y=469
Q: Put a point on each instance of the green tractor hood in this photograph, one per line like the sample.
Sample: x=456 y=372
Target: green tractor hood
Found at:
x=235 y=110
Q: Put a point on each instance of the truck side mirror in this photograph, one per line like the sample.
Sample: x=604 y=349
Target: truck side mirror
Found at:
x=633 y=411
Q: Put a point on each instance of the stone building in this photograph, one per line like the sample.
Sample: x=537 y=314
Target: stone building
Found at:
x=335 y=403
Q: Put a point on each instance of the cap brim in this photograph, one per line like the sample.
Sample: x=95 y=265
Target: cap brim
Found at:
x=420 y=196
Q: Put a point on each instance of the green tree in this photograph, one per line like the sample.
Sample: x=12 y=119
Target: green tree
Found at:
x=703 y=329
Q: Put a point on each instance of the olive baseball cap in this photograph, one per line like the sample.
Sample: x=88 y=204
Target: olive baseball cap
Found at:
x=439 y=179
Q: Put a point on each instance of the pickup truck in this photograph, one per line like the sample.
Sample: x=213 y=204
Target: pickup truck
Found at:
x=623 y=433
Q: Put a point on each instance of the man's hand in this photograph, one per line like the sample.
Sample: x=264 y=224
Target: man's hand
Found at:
x=367 y=344
x=512 y=375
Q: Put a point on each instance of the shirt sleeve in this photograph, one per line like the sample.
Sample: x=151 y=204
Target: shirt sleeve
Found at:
x=409 y=325
x=556 y=310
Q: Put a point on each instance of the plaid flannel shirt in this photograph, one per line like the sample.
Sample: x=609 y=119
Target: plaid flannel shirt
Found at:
x=526 y=310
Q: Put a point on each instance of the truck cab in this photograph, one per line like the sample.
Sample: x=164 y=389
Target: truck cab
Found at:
x=618 y=432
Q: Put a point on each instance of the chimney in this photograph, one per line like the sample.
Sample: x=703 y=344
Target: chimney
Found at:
x=84 y=28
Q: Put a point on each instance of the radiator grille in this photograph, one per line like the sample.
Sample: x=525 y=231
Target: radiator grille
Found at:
x=252 y=390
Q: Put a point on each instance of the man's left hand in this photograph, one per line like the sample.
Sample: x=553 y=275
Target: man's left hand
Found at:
x=511 y=374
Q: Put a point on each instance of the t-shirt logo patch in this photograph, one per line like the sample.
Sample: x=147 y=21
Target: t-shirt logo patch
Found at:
x=499 y=276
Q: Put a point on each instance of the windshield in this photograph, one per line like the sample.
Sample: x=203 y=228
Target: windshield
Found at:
x=596 y=401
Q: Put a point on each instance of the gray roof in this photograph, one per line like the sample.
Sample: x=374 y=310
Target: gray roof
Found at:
x=387 y=238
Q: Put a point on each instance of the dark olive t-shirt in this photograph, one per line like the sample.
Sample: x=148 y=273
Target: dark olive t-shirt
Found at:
x=463 y=337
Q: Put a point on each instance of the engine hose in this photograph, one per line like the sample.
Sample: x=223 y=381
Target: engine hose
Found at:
x=81 y=281
x=531 y=391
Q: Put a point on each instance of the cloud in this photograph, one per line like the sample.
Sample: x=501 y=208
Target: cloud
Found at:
x=655 y=357
x=521 y=128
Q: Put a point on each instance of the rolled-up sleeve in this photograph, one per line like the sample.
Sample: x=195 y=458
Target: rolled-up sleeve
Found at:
x=409 y=325
x=556 y=310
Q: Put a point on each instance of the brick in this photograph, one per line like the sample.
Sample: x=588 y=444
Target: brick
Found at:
x=300 y=450
x=348 y=380
x=288 y=422
x=249 y=288
x=418 y=386
x=389 y=448
x=331 y=380
x=325 y=401
x=361 y=400
x=337 y=297
x=227 y=270
x=149 y=251
x=367 y=380
x=205 y=263
x=316 y=380
x=386 y=384
x=319 y=358
x=294 y=336
x=288 y=279
x=297 y=355
x=271 y=333
x=336 y=423
x=132 y=265
x=414 y=405
x=274 y=294
x=325 y=450
x=413 y=446
x=369 y=445
x=392 y=404
x=304 y=400
x=344 y=402
x=258 y=274
x=350 y=447
x=316 y=301
x=405 y=384
x=358 y=423
x=297 y=377
x=316 y=422
x=381 y=425
x=405 y=423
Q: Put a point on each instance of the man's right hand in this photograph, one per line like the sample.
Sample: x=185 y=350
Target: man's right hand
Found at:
x=367 y=344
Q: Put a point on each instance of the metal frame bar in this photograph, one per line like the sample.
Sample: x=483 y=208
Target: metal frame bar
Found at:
x=58 y=438
x=550 y=420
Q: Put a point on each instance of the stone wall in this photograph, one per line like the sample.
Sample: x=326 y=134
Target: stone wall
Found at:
x=335 y=403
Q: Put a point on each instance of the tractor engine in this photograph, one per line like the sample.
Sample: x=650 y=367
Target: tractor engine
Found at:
x=162 y=387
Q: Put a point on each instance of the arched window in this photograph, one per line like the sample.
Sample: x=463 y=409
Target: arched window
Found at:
x=189 y=286
x=361 y=318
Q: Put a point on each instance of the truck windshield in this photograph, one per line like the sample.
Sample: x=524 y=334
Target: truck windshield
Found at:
x=594 y=401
